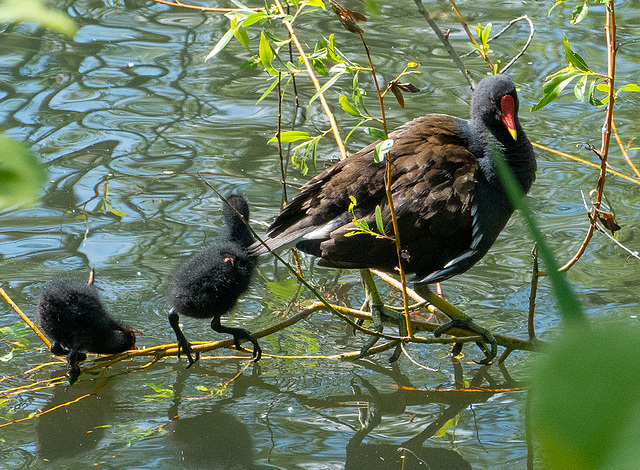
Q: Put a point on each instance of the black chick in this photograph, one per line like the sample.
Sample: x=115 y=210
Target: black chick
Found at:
x=208 y=284
x=72 y=316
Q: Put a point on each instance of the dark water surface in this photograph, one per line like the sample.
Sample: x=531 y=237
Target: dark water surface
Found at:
x=131 y=102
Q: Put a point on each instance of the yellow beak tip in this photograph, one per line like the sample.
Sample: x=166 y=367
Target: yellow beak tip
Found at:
x=513 y=133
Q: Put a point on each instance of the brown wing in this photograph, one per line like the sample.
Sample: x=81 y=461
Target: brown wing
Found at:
x=433 y=181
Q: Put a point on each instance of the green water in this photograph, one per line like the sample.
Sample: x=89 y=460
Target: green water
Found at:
x=130 y=101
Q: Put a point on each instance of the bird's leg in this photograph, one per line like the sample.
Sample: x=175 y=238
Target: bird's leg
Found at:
x=58 y=350
x=74 y=370
x=181 y=339
x=238 y=334
x=377 y=311
x=459 y=319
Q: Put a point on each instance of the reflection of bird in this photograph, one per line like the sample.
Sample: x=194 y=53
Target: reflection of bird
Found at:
x=209 y=284
x=449 y=199
x=213 y=440
x=72 y=316
x=70 y=433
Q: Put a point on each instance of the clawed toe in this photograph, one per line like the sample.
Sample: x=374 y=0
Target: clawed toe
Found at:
x=468 y=324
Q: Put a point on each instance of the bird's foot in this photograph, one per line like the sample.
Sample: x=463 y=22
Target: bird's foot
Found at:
x=183 y=344
x=73 y=373
x=186 y=347
x=58 y=350
x=371 y=342
x=470 y=325
x=74 y=370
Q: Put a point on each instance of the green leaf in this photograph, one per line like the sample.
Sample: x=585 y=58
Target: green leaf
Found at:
x=581 y=87
x=266 y=54
x=21 y=175
x=592 y=96
x=324 y=87
x=117 y=212
x=36 y=11
x=379 y=222
x=352 y=204
x=579 y=13
x=574 y=58
x=283 y=289
x=254 y=18
x=348 y=107
x=316 y=3
x=603 y=87
x=290 y=136
x=269 y=90
x=630 y=87
x=375 y=133
x=372 y=6
x=241 y=35
x=381 y=150
x=320 y=67
x=585 y=399
x=554 y=87
x=224 y=40
x=558 y=2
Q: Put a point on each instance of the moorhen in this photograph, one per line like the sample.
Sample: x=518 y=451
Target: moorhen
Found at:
x=208 y=284
x=449 y=199
x=71 y=314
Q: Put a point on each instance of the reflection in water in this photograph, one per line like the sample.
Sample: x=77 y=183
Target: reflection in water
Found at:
x=73 y=430
x=211 y=439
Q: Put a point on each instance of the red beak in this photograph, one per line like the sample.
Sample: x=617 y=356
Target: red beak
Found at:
x=508 y=107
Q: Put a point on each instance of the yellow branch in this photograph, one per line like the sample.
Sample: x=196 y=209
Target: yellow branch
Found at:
x=316 y=84
x=25 y=318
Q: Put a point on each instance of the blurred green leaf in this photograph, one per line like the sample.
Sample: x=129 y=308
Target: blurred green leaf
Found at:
x=21 y=175
x=283 y=289
x=36 y=11
x=372 y=6
x=585 y=398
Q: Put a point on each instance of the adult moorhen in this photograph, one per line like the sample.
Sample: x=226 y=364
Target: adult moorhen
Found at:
x=209 y=283
x=449 y=199
x=72 y=316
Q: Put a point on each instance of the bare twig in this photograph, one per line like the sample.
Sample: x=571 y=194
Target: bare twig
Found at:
x=445 y=41
x=462 y=21
x=176 y=3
